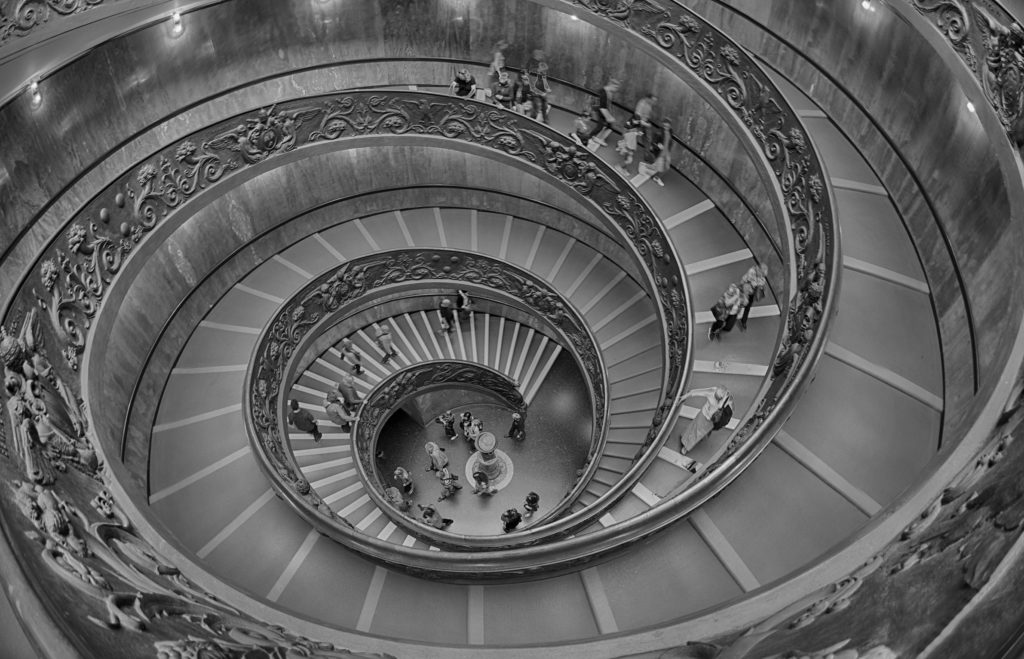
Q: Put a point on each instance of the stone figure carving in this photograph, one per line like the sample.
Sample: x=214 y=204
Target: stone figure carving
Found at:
x=48 y=427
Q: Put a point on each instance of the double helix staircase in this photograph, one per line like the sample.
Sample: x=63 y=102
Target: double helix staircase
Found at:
x=822 y=478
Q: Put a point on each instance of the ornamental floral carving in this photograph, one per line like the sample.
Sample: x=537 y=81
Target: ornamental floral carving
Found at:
x=75 y=278
x=991 y=44
x=47 y=423
x=354 y=279
x=775 y=127
x=19 y=18
x=108 y=564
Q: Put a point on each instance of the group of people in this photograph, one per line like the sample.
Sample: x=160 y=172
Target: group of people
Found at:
x=737 y=300
x=462 y=308
x=640 y=132
x=528 y=93
x=471 y=427
x=341 y=405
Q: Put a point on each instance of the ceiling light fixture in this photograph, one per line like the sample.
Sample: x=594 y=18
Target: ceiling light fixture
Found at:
x=35 y=97
x=970 y=107
x=176 y=27
x=868 y=5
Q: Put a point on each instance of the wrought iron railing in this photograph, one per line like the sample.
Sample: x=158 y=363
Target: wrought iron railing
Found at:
x=326 y=300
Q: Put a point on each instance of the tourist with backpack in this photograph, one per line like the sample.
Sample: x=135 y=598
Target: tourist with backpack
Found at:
x=713 y=415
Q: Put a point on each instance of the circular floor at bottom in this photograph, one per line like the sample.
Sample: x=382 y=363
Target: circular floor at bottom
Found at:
x=546 y=462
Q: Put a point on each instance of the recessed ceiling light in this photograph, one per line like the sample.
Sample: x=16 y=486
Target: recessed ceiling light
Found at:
x=970 y=107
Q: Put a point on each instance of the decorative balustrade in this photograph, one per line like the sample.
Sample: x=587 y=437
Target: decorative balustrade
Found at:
x=102 y=236
x=326 y=300
x=730 y=73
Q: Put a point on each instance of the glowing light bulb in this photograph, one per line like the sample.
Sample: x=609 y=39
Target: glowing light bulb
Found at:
x=35 y=97
x=970 y=107
x=868 y=5
x=575 y=17
x=176 y=26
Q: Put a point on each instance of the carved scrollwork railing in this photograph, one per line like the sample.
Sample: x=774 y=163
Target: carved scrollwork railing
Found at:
x=19 y=18
x=323 y=302
x=76 y=276
x=746 y=90
x=991 y=43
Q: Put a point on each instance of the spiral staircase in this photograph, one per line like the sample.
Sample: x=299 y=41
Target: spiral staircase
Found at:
x=150 y=278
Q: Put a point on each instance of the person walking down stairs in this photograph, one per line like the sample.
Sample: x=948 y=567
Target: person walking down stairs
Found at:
x=303 y=420
x=714 y=414
x=447 y=317
x=386 y=343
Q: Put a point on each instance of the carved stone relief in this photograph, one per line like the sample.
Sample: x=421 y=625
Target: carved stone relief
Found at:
x=991 y=44
x=19 y=18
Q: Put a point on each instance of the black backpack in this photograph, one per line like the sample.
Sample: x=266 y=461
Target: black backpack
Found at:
x=722 y=417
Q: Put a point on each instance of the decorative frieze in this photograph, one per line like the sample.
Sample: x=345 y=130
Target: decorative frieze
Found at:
x=19 y=18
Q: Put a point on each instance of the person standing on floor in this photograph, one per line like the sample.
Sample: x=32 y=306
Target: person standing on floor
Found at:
x=346 y=388
x=716 y=401
x=626 y=147
x=304 y=420
x=465 y=421
x=522 y=93
x=734 y=294
x=449 y=483
x=531 y=505
x=463 y=84
x=447 y=420
x=510 y=520
x=337 y=413
x=602 y=113
x=482 y=484
x=350 y=353
x=502 y=92
x=752 y=285
x=541 y=90
x=434 y=518
x=404 y=480
x=660 y=155
x=447 y=316
x=725 y=311
x=396 y=499
x=438 y=458
x=386 y=343
x=473 y=432
x=517 y=430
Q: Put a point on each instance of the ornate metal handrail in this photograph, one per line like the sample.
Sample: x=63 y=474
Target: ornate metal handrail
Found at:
x=172 y=178
x=323 y=302
x=74 y=282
